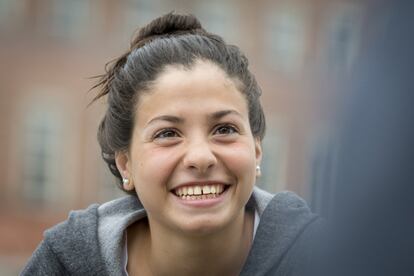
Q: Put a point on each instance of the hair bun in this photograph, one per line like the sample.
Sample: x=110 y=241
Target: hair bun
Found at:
x=169 y=23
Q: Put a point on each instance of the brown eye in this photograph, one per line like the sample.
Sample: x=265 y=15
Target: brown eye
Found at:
x=166 y=133
x=225 y=130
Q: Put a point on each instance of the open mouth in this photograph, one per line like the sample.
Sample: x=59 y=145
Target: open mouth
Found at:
x=198 y=192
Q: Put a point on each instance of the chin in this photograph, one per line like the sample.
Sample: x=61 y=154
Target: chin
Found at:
x=201 y=229
x=207 y=224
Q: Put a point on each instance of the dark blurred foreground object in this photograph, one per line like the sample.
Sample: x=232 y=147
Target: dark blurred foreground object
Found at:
x=373 y=206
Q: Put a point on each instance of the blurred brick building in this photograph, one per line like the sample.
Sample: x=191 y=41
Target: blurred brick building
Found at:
x=49 y=48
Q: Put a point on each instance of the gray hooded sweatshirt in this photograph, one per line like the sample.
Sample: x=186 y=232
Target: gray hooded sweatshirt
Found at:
x=92 y=241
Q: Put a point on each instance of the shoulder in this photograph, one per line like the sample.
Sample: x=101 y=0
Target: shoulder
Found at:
x=74 y=244
x=286 y=213
x=63 y=244
x=279 y=204
x=286 y=225
x=290 y=206
x=284 y=217
x=82 y=221
x=75 y=238
x=85 y=222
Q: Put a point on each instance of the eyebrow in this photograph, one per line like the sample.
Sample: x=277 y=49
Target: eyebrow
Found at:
x=168 y=118
x=222 y=113
x=178 y=120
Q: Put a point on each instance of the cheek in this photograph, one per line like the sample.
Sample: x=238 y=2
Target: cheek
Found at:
x=153 y=169
x=240 y=159
x=157 y=159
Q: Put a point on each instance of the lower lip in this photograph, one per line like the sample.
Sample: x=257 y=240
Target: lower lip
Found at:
x=203 y=203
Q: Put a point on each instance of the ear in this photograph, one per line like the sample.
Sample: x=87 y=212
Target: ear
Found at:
x=122 y=161
x=258 y=151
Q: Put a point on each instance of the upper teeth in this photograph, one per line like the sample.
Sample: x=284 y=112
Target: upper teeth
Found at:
x=200 y=190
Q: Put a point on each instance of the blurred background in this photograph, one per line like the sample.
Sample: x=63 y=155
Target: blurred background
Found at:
x=299 y=50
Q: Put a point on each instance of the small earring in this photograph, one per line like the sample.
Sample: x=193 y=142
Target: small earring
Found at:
x=258 y=171
x=125 y=182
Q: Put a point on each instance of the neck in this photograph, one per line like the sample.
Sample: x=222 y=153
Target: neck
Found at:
x=219 y=253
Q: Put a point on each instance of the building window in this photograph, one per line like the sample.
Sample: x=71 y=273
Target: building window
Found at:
x=70 y=19
x=285 y=38
x=342 y=32
x=140 y=12
x=41 y=142
x=219 y=17
x=11 y=14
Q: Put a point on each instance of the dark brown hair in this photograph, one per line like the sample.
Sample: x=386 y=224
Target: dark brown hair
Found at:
x=169 y=39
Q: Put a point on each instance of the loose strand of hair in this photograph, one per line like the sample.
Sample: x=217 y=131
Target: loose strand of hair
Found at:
x=105 y=80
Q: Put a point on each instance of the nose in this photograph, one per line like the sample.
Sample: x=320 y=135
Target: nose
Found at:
x=199 y=156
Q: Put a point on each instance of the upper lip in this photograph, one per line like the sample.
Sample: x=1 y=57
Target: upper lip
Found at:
x=200 y=183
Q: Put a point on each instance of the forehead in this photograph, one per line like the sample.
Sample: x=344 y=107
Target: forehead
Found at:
x=204 y=85
x=201 y=71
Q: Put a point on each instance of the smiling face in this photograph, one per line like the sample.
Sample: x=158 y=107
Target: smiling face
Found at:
x=192 y=157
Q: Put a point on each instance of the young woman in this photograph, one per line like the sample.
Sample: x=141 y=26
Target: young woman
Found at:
x=182 y=133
